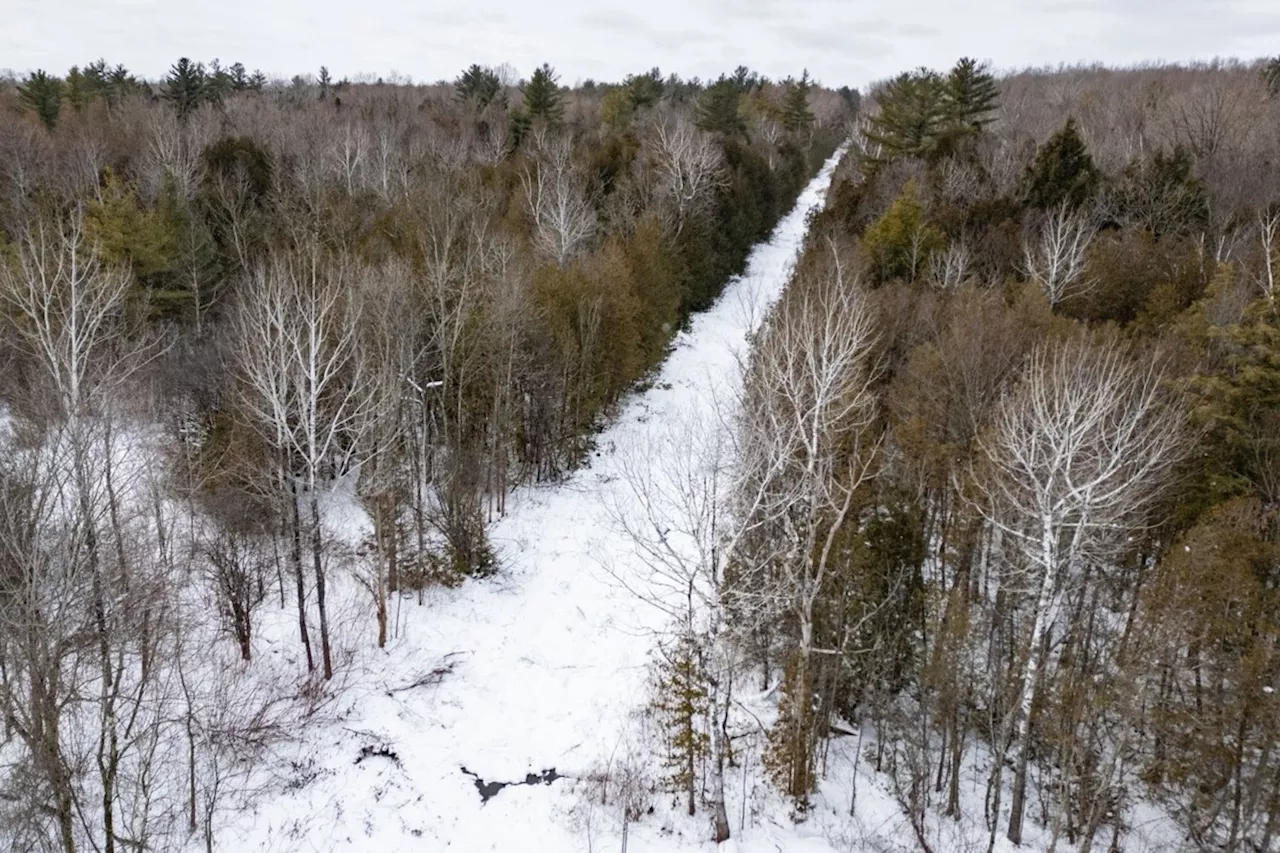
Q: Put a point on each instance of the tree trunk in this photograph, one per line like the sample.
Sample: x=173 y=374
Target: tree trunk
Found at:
x=295 y=557
x=719 y=712
x=318 y=562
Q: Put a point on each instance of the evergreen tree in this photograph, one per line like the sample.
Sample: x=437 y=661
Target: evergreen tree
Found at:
x=1063 y=171
x=42 y=93
x=1163 y=195
x=744 y=79
x=257 y=81
x=900 y=243
x=120 y=83
x=644 y=90
x=217 y=83
x=184 y=87
x=913 y=114
x=971 y=95
x=127 y=233
x=718 y=108
x=796 y=115
x=478 y=85
x=1240 y=402
x=851 y=97
x=325 y=81
x=542 y=95
x=1271 y=76
x=681 y=705
x=239 y=77
x=79 y=89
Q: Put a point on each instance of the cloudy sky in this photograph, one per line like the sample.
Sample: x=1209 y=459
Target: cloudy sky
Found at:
x=840 y=41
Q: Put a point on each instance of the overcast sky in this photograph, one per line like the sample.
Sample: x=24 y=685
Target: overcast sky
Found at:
x=840 y=41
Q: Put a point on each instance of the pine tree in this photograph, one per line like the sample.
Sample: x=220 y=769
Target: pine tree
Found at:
x=644 y=90
x=257 y=81
x=851 y=97
x=325 y=81
x=42 y=94
x=971 y=95
x=79 y=89
x=185 y=86
x=120 y=83
x=1063 y=171
x=217 y=84
x=718 y=108
x=913 y=115
x=542 y=96
x=796 y=115
x=239 y=77
x=479 y=86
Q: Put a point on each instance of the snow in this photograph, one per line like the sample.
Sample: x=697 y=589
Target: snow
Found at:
x=547 y=660
x=545 y=665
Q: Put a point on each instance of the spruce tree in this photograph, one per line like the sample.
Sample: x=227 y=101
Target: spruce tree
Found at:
x=1062 y=172
x=184 y=87
x=680 y=703
x=542 y=95
x=42 y=94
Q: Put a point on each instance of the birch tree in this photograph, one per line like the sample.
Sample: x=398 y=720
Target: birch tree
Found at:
x=555 y=195
x=690 y=168
x=73 y=531
x=807 y=446
x=1055 y=254
x=1269 y=236
x=1077 y=455
x=305 y=387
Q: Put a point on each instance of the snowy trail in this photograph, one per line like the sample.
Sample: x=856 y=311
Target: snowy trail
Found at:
x=548 y=658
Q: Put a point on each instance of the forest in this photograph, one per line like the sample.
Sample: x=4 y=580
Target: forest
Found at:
x=988 y=516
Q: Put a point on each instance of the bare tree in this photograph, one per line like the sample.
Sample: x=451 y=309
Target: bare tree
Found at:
x=690 y=168
x=1055 y=255
x=556 y=198
x=347 y=155
x=674 y=513
x=1268 y=234
x=69 y=314
x=949 y=268
x=807 y=446
x=304 y=381
x=1077 y=454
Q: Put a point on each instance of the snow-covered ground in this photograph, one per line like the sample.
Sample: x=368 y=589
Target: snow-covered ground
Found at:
x=546 y=666
x=546 y=662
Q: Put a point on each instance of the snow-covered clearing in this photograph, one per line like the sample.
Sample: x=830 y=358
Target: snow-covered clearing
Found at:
x=546 y=661
x=544 y=667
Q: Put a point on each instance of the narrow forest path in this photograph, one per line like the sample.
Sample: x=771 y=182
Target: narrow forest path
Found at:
x=536 y=668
